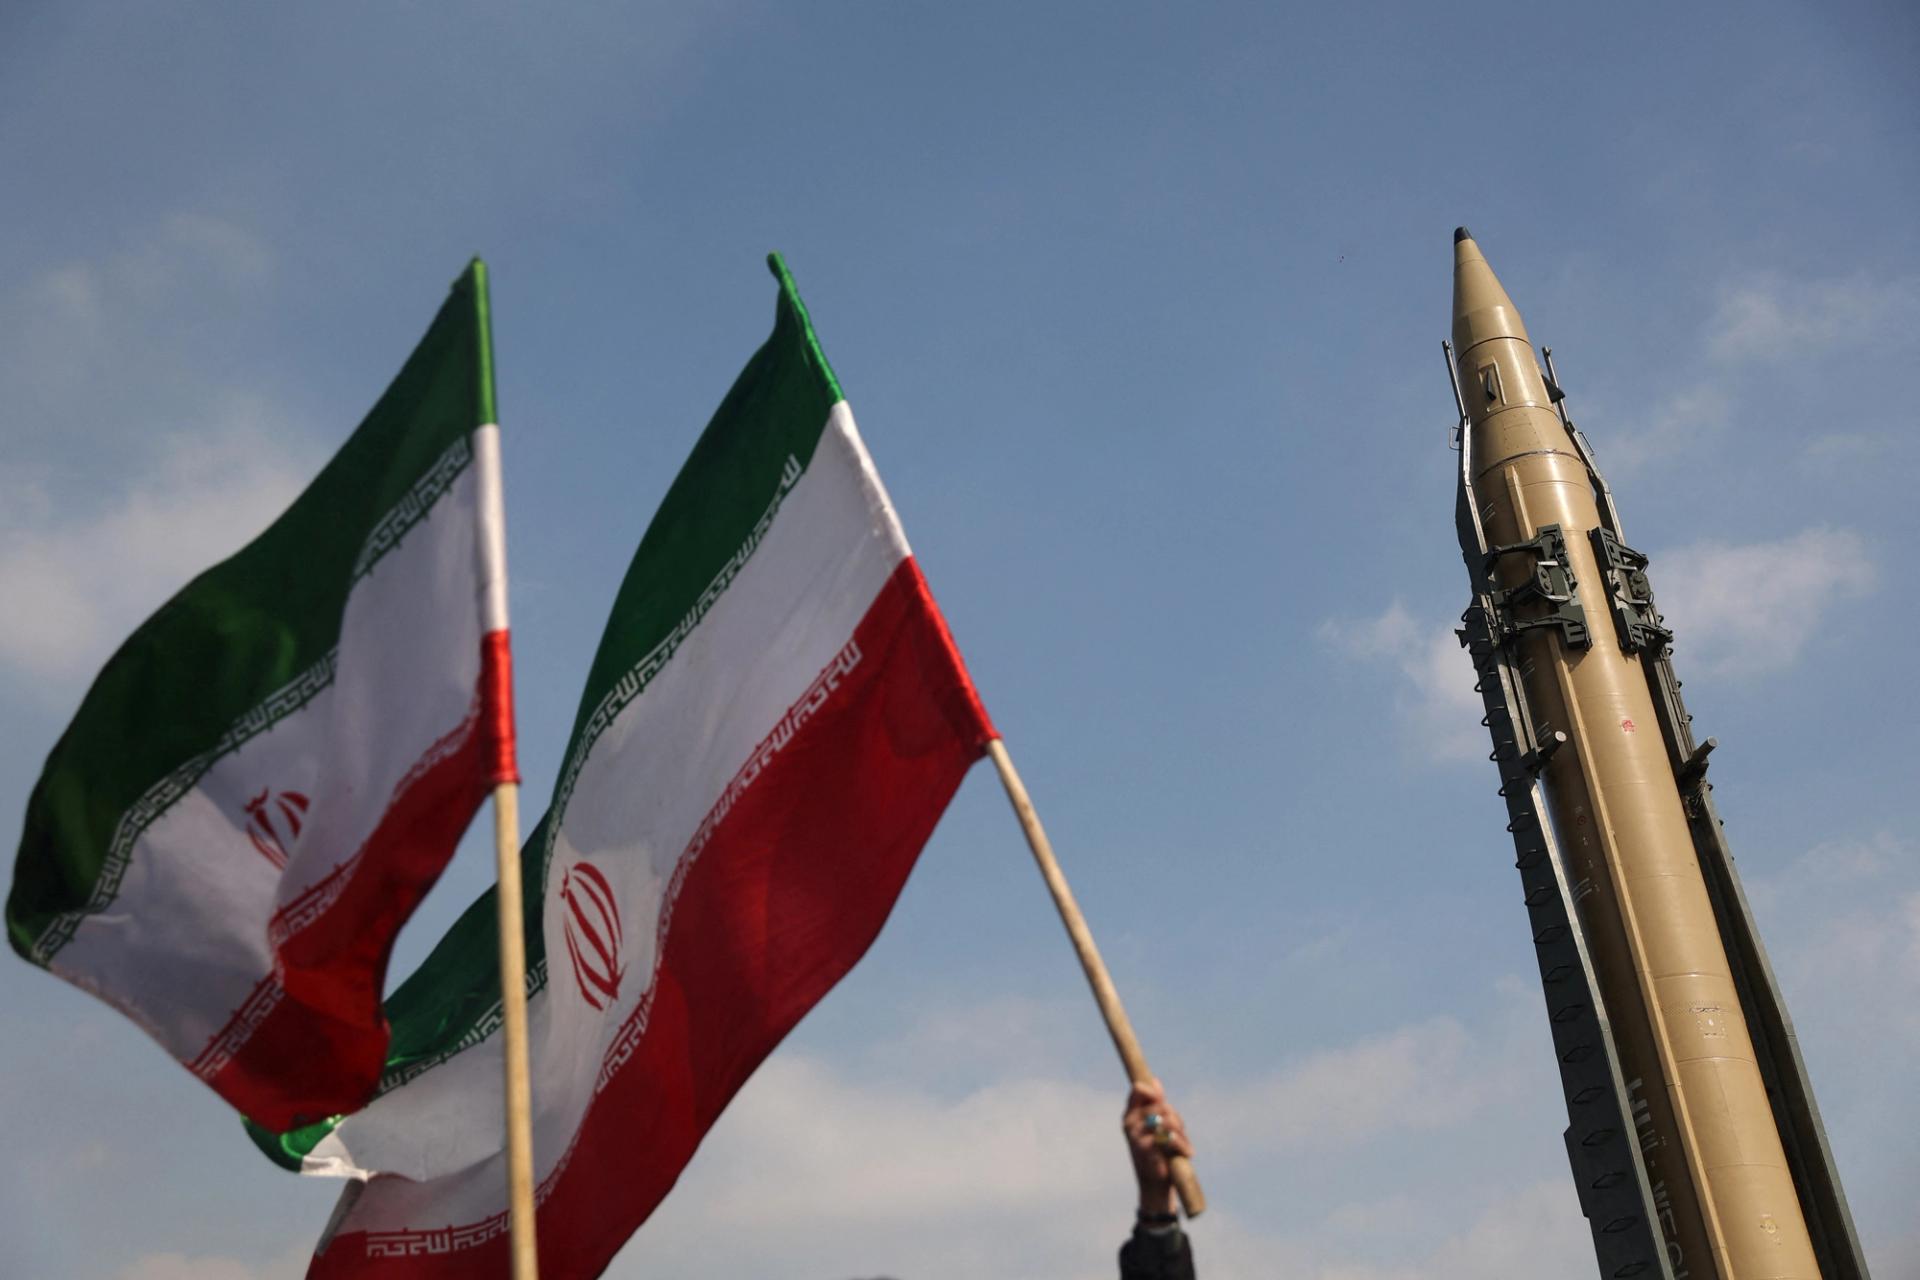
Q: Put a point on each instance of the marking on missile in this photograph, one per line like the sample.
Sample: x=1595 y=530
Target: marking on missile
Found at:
x=1650 y=1141
x=1650 y=1136
x=1627 y=725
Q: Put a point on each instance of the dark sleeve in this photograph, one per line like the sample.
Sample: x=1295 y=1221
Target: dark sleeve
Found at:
x=1151 y=1257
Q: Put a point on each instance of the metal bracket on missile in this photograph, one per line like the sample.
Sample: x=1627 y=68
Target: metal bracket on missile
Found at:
x=1602 y=1150
x=1693 y=771
x=1536 y=760
x=1551 y=583
x=1624 y=571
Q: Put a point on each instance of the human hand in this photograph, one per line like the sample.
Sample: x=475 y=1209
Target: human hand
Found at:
x=1155 y=1133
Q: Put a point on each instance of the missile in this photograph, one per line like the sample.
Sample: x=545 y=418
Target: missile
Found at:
x=1695 y=1144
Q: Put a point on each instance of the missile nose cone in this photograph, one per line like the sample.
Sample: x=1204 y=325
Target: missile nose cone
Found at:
x=1481 y=307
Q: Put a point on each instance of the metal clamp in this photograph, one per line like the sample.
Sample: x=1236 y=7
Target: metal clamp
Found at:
x=1630 y=593
x=1551 y=583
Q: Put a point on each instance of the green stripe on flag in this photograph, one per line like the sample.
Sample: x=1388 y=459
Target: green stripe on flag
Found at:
x=775 y=411
x=249 y=639
x=790 y=297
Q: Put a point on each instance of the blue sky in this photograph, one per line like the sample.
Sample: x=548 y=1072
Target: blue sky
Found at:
x=1140 y=310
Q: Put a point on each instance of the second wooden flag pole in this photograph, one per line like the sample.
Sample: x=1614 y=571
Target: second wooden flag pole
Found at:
x=1192 y=1198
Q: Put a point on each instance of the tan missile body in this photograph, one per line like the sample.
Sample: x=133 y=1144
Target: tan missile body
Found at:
x=1594 y=750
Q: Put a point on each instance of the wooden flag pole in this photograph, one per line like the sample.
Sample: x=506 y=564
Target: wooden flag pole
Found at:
x=513 y=1007
x=1192 y=1198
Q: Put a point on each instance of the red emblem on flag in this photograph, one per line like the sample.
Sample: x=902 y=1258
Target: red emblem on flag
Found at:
x=593 y=933
x=274 y=822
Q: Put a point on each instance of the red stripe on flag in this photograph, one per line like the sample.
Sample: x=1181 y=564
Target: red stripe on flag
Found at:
x=785 y=898
x=970 y=710
x=323 y=1046
x=314 y=1035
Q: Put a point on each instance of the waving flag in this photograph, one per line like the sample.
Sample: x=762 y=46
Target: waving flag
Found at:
x=273 y=769
x=775 y=720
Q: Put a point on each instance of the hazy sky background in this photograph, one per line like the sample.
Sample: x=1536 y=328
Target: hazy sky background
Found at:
x=1140 y=310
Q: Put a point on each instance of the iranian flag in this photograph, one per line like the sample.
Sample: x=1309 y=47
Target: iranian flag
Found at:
x=774 y=722
x=273 y=769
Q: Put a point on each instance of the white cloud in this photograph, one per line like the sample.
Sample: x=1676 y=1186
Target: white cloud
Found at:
x=1535 y=1231
x=1516 y=1233
x=1837 y=451
x=1749 y=609
x=76 y=579
x=1005 y=1035
x=1831 y=872
x=1437 y=708
x=1025 y=1175
x=132 y=463
x=876 y=1200
x=1897 y=1255
x=1761 y=319
x=235 y=254
x=1769 y=317
x=1428 y=1076
x=1841 y=925
x=869 y=1179
x=91 y=342
x=1832 y=924
x=901 y=1154
x=178 y=1266
x=816 y=1170
x=1678 y=424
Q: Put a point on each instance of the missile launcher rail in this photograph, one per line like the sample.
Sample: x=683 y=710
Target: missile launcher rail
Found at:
x=1608 y=1173
x=1610 y=1176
